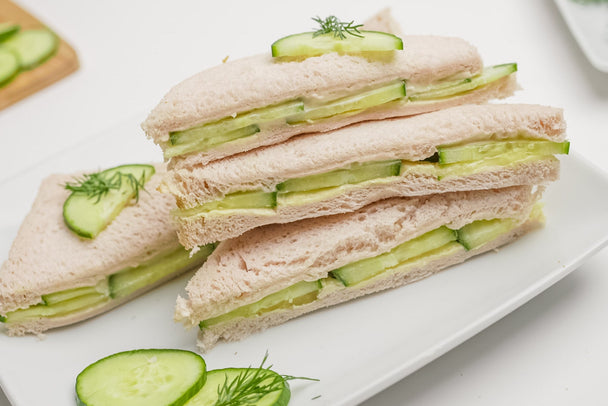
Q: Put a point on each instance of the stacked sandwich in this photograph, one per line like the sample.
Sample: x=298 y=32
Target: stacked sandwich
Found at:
x=305 y=179
x=311 y=169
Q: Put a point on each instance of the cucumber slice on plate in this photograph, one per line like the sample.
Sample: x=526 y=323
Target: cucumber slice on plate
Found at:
x=9 y=66
x=151 y=377
x=306 y=44
x=243 y=386
x=8 y=29
x=98 y=198
x=32 y=47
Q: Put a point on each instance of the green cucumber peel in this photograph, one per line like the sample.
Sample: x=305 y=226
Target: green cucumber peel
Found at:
x=148 y=377
x=8 y=29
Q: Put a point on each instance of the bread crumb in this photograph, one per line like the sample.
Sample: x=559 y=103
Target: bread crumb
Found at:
x=225 y=59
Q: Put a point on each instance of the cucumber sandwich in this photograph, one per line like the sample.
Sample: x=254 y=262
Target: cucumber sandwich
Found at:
x=462 y=148
x=89 y=244
x=316 y=83
x=274 y=273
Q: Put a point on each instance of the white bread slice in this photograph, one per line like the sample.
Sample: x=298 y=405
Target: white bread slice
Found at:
x=47 y=257
x=413 y=138
x=260 y=81
x=267 y=259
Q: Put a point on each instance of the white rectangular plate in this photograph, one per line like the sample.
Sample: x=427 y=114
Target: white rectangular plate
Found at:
x=589 y=26
x=356 y=349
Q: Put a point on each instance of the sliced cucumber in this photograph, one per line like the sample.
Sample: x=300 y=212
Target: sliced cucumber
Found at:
x=355 y=173
x=151 y=377
x=364 y=269
x=57 y=309
x=424 y=243
x=9 y=65
x=305 y=44
x=130 y=280
x=239 y=200
x=259 y=380
x=212 y=130
x=68 y=294
x=88 y=216
x=350 y=104
x=480 y=232
x=32 y=47
x=7 y=30
x=451 y=88
x=211 y=142
x=296 y=295
x=481 y=150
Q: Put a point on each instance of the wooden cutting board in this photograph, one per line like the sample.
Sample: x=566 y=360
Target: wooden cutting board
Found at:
x=57 y=67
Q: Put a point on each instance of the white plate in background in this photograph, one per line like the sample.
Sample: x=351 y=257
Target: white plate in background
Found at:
x=356 y=349
x=588 y=23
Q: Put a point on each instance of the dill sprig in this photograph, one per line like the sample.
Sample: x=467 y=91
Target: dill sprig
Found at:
x=251 y=385
x=331 y=24
x=97 y=185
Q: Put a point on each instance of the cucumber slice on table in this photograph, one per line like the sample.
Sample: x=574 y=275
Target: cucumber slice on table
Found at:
x=480 y=150
x=88 y=215
x=151 y=377
x=32 y=47
x=451 y=88
x=8 y=29
x=252 y=380
x=9 y=66
x=305 y=44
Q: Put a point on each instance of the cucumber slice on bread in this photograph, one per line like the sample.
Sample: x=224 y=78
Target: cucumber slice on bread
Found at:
x=87 y=213
x=450 y=88
x=480 y=150
x=150 y=377
x=306 y=44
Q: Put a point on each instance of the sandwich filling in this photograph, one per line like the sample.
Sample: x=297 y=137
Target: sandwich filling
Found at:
x=450 y=161
x=114 y=287
x=415 y=253
x=302 y=111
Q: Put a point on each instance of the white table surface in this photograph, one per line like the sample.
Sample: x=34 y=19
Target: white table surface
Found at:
x=550 y=351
